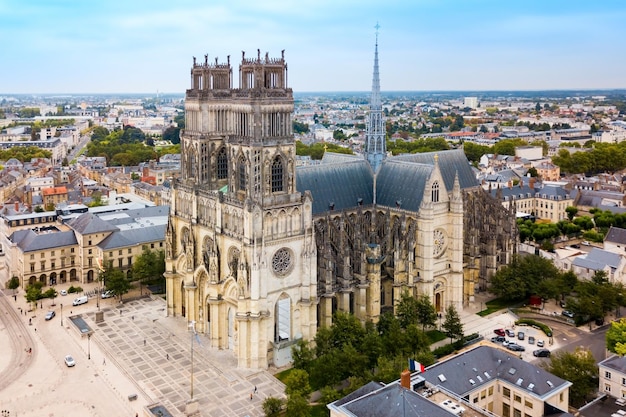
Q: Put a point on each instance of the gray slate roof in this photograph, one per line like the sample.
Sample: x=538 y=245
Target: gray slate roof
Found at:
x=392 y=401
x=132 y=237
x=483 y=364
x=616 y=235
x=341 y=183
x=615 y=362
x=598 y=259
x=344 y=179
x=89 y=223
x=29 y=241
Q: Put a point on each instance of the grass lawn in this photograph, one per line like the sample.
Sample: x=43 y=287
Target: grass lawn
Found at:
x=493 y=306
x=320 y=410
x=282 y=375
x=435 y=336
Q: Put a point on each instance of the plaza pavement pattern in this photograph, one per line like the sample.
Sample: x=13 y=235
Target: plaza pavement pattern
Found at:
x=155 y=352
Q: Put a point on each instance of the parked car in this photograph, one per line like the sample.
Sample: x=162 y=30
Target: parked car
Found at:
x=521 y=335
x=515 y=347
x=498 y=339
x=576 y=246
x=50 y=315
x=107 y=294
x=499 y=332
x=69 y=361
x=80 y=300
x=510 y=333
x=585 y=242
x=568 y=313
x=63 y=292
x=539 y=343
x=541 y=353
x=507 y=343
x=531 y=340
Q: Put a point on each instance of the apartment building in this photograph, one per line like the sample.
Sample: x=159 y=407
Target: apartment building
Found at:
x=545 y=202
x=483 y=381
x=77 y=248
x=612 y=373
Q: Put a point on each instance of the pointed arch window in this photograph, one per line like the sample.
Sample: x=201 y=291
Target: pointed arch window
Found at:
x=222 y=164
x=435 y=192
x=241 y=177
x=277 y=175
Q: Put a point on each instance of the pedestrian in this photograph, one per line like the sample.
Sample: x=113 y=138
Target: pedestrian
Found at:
x=250 y=396
x=104 y=361
x=255 y=389
x=167 y=356
x=30 y=321
x=144 y=342
x=132 y=318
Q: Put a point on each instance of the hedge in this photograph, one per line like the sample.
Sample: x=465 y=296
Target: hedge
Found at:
x=537 y=325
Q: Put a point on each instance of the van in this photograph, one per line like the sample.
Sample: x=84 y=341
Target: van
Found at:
x=80 y=300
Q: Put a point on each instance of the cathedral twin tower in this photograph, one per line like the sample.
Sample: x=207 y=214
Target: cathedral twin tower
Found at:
x=259 y=254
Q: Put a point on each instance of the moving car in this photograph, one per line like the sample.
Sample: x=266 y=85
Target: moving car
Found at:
x=539 y=343
x=541 y=353
x=531 y=340
x=69 y=361
x=568 y=313
x=50 y=315
x=499 y=332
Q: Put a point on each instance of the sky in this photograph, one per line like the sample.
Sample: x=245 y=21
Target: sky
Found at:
x=147 y=46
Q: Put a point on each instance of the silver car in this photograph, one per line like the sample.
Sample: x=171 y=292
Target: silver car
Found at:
x=69 y=361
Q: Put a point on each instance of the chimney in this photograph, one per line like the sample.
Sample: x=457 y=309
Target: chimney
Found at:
x=17 y=206
x=405 y=379
x=531 y=182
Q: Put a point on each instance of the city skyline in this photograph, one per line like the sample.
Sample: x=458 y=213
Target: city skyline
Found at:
x=144 y=47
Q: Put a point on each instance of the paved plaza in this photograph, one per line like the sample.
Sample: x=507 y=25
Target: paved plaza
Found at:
x=135 y=350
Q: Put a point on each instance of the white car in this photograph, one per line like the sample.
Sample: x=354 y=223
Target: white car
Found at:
x=107 y=294
x=63 y=292
x=69 y=361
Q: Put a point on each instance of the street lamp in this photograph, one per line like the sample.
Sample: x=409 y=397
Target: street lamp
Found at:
x=88 y=346
x=192 y=326
x=61 y=314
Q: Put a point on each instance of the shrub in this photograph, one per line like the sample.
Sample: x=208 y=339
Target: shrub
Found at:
x=537 y=325
x=74 y=289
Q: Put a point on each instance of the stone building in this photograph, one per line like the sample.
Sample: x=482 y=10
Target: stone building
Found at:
x=260 y=253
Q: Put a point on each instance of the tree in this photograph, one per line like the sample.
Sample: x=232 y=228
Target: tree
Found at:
x=452 y=324
x=616 y=337
x=297 y=406
x=115 y=280
x=14 y=283
x=406 y=310
x=571 y=212
x=148 y=266
x=578 y=367
x=426 y=313
x=33 y=293
x=297 y=383
x=521 y=278
x=272 y=406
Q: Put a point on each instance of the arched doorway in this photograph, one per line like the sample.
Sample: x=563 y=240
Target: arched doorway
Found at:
x=32 y=280
x=63 y=277
x=90 y=275
x=438 y=302
x=42 y=278
x=183 y=300
x=53 y=278
x=73 y=276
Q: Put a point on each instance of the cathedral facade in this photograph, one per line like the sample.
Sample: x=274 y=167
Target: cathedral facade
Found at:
x=259 y=253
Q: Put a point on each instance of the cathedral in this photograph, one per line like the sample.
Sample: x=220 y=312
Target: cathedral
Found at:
x=259 y=253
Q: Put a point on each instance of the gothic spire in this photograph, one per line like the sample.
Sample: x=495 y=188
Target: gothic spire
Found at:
x=375 y=145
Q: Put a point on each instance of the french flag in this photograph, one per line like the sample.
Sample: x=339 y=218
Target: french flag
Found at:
x=415 y=366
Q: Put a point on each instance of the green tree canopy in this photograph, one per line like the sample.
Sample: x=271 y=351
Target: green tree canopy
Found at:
x=578 y=367
x=452 y=324
x=521 y=278
x=616 y=337
x=114 y=280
